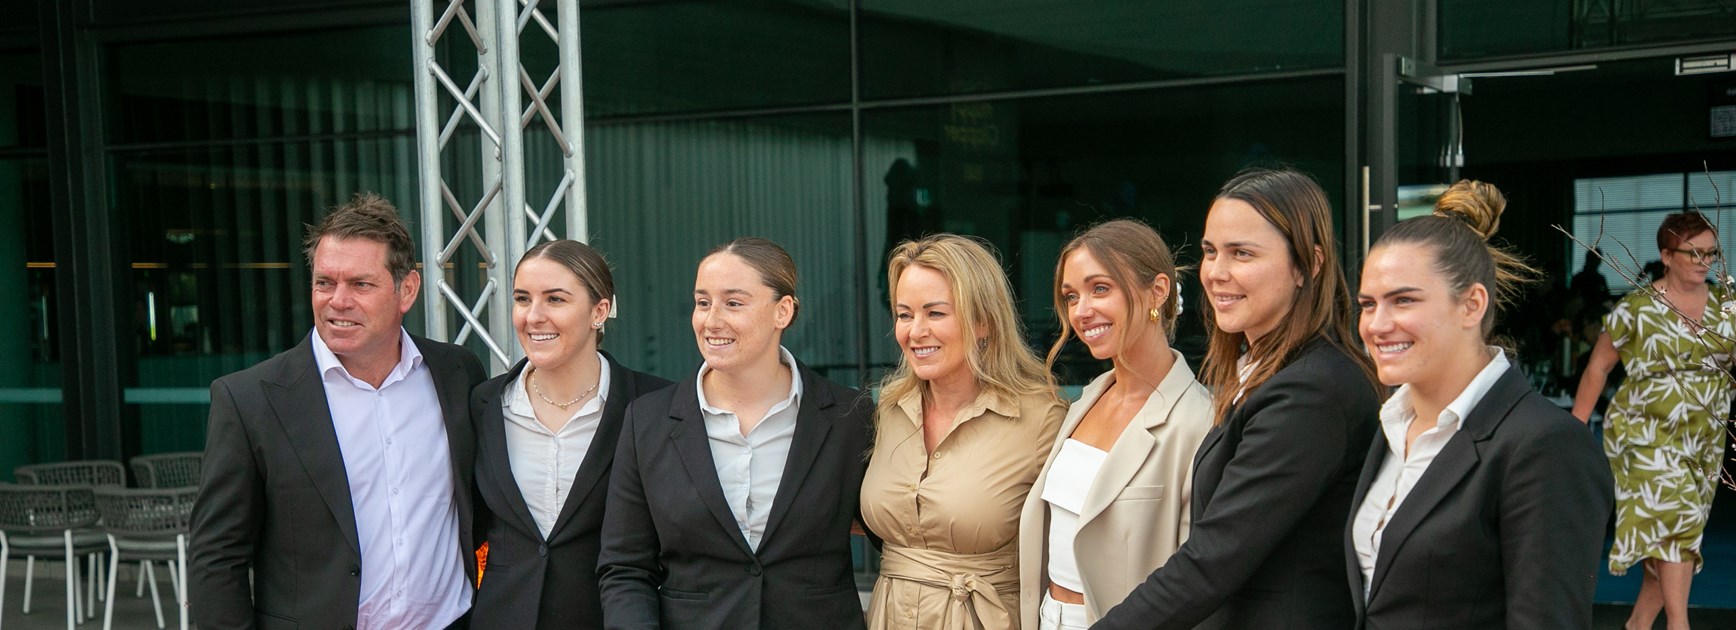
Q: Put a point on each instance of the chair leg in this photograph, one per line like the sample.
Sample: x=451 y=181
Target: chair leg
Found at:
x=5 y=558
x=76 y=575
x=140 y=591
x=181 y=568
x=108 y=607
x=90 y=578
x=156 y=602
x=71 y=584
x=29 y=580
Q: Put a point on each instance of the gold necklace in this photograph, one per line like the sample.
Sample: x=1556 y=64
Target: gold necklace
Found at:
x=563 y=406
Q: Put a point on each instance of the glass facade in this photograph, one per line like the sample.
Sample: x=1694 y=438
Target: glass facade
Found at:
x=30 y=397
x=836 y=128
x=711 y=55
x=916 y=48
x=1483 y=28
x=206 y=134
x=220 y=152
x=1027 y=174
x=663 y=193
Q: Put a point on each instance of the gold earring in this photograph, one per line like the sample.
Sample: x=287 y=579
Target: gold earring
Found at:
x=1156 y=316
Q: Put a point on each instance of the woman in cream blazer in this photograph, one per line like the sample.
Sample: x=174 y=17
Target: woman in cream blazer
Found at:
x=1144 y=419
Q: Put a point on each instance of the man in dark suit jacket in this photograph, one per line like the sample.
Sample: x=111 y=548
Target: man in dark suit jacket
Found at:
x=673 y=554
x=317 y=473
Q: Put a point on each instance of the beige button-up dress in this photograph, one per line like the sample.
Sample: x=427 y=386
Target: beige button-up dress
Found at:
x=950 y=519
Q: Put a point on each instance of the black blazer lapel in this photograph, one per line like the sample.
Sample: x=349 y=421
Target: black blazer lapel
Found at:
x=811 y=429
x=298 y=398
x=1377 y=451
x=492 y=431
x=1213 y=437
x=687 y=433
x=1455 y=460
x=601 y=455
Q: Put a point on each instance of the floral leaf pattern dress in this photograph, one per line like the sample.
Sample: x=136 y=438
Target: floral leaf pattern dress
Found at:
x=1664 y=430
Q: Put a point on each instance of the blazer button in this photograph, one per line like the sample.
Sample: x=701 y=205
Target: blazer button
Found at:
x=753 y=570
x=355 y=570
x=542 y=551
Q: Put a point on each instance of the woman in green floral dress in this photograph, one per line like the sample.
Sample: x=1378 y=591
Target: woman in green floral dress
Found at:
x=1664 y=430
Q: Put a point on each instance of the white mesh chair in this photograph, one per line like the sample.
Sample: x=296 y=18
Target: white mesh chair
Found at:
x=50 y=522
x=147 y=525
x=168 y=470
x=94 y=472
x=163 y=470
x=88 y=473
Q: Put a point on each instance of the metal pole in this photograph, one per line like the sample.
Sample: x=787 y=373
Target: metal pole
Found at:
x=511 y=215
x=428 y=175
x=573 y=119
x=496 y=225
x=492 y=21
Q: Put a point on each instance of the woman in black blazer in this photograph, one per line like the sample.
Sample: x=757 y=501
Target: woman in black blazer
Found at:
x=734 y=490
x=546 y=433
x=1484 y=505
x=1295 y=407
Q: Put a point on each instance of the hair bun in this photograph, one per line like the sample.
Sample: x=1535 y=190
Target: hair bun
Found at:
x=1477 y=204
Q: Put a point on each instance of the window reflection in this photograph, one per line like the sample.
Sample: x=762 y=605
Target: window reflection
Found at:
x=662 y=194
x=1482 y=28
x=925 y=48
x=698 y=55
x=1027 y=174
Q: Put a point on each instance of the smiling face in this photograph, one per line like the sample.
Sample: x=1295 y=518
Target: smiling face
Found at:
x=930 y=329
x=553 y=313
x=357 y=310
x=1245 y=270
x=1414 y=326
x=1096 y=306
x=738 y=321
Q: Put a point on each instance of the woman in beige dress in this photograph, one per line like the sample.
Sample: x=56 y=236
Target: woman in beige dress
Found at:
x=961 y=430
x=1111 y=504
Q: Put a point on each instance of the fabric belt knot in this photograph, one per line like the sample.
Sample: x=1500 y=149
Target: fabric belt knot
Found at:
x=963 y=585
x=975 y=582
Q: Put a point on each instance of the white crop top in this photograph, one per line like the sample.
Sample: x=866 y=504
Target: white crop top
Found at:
x=1069 y=479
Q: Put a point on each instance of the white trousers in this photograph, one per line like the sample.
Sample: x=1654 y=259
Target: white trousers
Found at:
x=1054 y=615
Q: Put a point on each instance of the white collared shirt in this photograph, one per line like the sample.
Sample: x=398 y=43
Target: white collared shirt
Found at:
x=399 y=466
x=1398 y=472
x=545 y=462
x=750 y=467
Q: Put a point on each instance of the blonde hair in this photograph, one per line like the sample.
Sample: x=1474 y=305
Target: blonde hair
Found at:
x=1135 y=256
x=983 y=299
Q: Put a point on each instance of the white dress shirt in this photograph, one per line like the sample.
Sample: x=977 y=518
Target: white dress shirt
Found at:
x=1400 y=471
x=544 y=462
x=399 y=467
x=750 y=467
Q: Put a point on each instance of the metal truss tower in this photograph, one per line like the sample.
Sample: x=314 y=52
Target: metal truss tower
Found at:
x=503 y=102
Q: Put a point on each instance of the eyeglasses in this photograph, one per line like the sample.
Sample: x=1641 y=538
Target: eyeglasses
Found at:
x=1711 y=257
